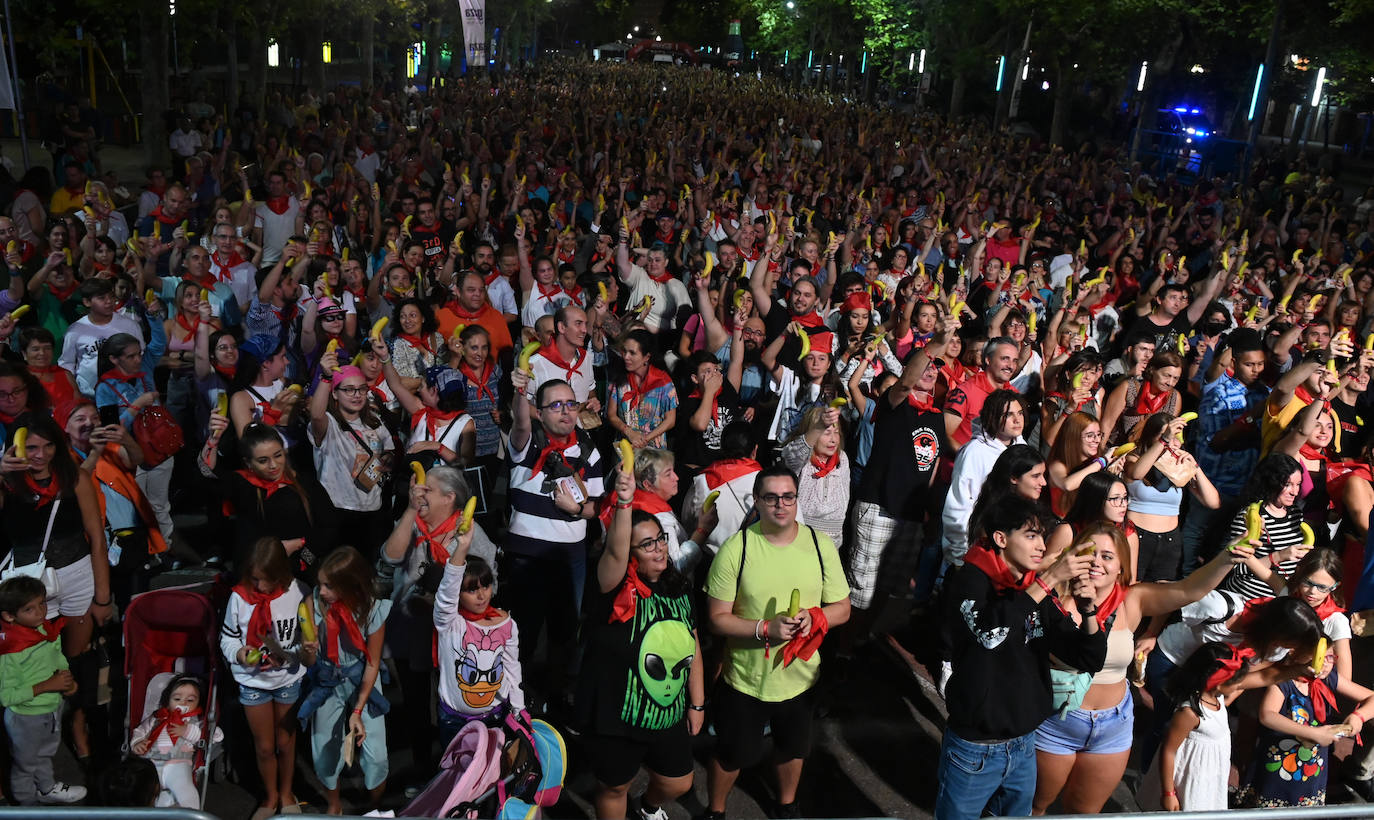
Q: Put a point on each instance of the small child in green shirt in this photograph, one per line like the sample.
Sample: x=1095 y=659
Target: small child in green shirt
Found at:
x=33 y=679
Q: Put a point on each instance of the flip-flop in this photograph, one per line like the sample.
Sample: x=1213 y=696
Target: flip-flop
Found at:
x=264 y=813
x=294 y=808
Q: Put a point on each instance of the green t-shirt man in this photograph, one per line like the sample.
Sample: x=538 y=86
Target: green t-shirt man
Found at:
x=809 y=564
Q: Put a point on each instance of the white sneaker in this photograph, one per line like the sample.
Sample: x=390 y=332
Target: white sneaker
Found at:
x=946 y=670
x=658 y=814
x=63 y=793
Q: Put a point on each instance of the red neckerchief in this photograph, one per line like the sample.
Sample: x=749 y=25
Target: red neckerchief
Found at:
x=626 y=599
x=996 y=569
x=729 y=469
x=227 y=373
x=208 y=281
x=268 y=486
x=812 y=319
x=58 y=386
x=260 y=622
x=63 y=294
x=1328 y=608
x=278 y=204
x=1321 y=695
x=489 y=612
x=1148 y=402
x=431 y=418
x=167 y=718
x=1229 y=667
x=825 y=468
x=271 y=416
x=575 y=294
x=430 y=538
x=492 y=277
x=925 y=405
x=376 y=390
x=804 y=646
x=285 y=313
x=45 y=493
x=644 y=500
x=456 y=308
x=160 y=190
x=480 y=381
x=189 y=327
x=234 y=260
x=15 y=637
x=555 y=446
x=339 y=621
x=661 y=278
x=549 y=292
x=550 y=352
x=653 y=379
x=1301 y=393
x=416 y=342
x=1107 y=607
x=1311 y=453
x=715 y=403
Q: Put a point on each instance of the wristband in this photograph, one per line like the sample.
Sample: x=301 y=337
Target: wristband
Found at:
x=100 y=603
x=1170 y=793
x=696 y=708
x=1273 y=564
x=1102 y=461
x=757 y=637
x=1087 y=613
x=357 y=711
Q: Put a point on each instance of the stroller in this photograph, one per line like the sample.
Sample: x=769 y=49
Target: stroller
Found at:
x=493 y=773
x=167 y=633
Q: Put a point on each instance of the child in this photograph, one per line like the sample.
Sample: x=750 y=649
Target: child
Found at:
x=265 y=604
x=33 y=678
x=479 y=652
x=169 y=737
x=1194 y=762
x=1300 y=725
x=346 y=704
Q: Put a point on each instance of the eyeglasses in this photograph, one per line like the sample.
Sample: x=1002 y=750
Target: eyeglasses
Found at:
x=15 y=393
x=351 y=390
x=1322 y=588
x=1118 y=500
x=1096 y=435
x=331 y=317
x=656 y=544
x=568 y=406
x=775 y=500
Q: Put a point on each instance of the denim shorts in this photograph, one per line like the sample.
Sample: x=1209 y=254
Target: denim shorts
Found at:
x=250 y=696
x=1088 y=731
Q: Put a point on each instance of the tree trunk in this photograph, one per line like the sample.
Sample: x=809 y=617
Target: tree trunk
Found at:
x=368 y=38
x=231 y=98
x=956 y=95
x=1063 y=96
x=152 y=47
x=434 y=45
x=1149 y=105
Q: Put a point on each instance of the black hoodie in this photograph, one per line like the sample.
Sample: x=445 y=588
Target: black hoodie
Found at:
x=1001 y=644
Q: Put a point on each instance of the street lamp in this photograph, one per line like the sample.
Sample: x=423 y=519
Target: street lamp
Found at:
x=1144 y=69
x=1321 y=80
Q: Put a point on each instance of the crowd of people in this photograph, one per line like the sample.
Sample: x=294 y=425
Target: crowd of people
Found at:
x=684 y=382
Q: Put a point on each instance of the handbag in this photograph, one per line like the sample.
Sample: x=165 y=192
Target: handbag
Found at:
x=38 y=569
x=1176 y=469
x=372 y=473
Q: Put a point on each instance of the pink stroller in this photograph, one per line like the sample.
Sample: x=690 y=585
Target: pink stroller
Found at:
x=489 y=772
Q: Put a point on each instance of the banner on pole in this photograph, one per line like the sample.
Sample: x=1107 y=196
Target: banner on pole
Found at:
x=475 y=31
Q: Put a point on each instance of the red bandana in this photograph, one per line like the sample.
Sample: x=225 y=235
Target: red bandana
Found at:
x=339 y=621
x=925 y=405
x=551 y=353
x=653 y=379
x=266 y=485
x=278 y=204
x=729 y=469
x=167 y=718
x=431 y=539
x=555 y=446
x=1107 y=607
x=260 y=622
x=825 y=468
x=16 y=637
x=626 y=600
x=481 y=382
x=1229 y=667
x=489 y=612
x=189 y=327
x=46 y=493
x=1149 y=402
x=996 y=569
x=804 y=646
x=416 y=342
x=1312 y=453
x=431 y=419
x=715 y=404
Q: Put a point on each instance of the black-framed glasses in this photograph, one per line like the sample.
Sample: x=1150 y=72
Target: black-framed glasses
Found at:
x=774 y=499
x=569 y=405
x=352 y=390
x=655 y=544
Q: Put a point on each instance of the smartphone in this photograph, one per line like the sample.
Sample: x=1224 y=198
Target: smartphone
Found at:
x=109 y=414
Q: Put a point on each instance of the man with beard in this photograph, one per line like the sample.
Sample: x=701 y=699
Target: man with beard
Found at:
x=500 y=294
x=431 y=235
x=964 y=403
x=165 y=221
x=470 y=306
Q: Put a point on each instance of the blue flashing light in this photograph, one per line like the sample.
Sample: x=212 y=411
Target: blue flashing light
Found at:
x=1001 y=67
x=1180 y=109
x=1254 y=95
x=1194 y=111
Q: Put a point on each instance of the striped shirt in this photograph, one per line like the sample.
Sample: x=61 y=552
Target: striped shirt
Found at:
x=1279 y=533
x=537 y=526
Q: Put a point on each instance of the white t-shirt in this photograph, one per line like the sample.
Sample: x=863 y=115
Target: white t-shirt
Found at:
x=81 y=347
x=502 y=296
x=449 y=433
x=233 y=637
x=668 y=297
x=581 y=379
x=339 y=457
x=276 y=228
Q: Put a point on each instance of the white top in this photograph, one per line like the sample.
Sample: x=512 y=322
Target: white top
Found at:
x=668 y=297
x=786 y=389
x=538 y=305
x=81 y=347
x=449 y=432
x=277 y=228
x=339 y=457
x=241 y=278
x=581 y=378
x=502 y=296
x=479 y=666
x=971 y=469
x=233 y=637
x=118 y=226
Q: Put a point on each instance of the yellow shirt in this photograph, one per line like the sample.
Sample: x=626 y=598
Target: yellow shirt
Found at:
x=64 y=202
x=765 y=587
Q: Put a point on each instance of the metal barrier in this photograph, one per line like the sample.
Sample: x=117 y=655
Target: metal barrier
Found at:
x=1288 y=813
x=99 y=813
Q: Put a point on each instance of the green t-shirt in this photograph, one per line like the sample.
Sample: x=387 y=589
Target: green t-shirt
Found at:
x=765 y=589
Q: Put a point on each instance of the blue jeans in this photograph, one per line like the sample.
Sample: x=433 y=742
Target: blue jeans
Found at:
x=998 y=777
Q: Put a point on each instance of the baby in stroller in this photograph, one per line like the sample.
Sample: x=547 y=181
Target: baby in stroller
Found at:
x=171 y=736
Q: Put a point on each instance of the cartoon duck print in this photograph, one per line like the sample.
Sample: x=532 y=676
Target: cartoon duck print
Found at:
x=479 y=668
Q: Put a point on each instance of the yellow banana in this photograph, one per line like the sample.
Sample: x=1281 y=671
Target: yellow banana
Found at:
x=1309 y=538
x=603 y=293
x=1319 y=656
x=419 y=471
x=838 y=402
x=523 y=360
x=469 y=515
x=1121 y=450
x=627 y=457
x=710 y=502
x=19 y=312
x=794 y=606
x=222 y=404
x=332 y=347
x=710 y=264
x=21 y=442
x=377 y=327
x=1187 y=417
x=805 y=339
x=204 y=294
x=307 y=623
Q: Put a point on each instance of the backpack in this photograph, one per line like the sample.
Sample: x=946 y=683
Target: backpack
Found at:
x=157 y=434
